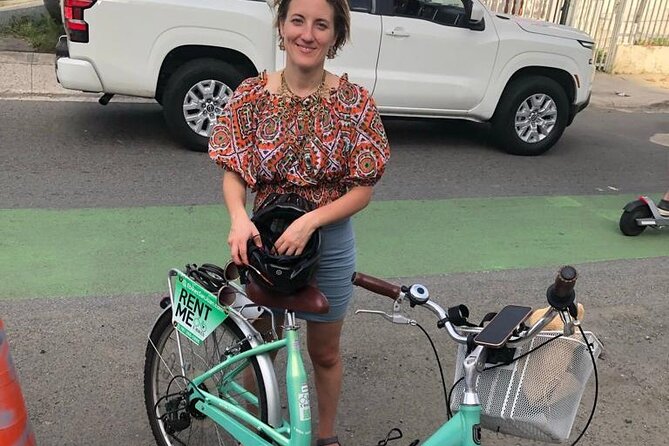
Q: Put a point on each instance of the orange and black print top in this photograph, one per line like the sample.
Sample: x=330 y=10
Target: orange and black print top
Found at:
x=318 y=146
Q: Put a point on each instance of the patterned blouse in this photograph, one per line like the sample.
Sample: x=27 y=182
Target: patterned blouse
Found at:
x=318 y=146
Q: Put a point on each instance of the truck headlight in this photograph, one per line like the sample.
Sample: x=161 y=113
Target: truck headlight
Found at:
x=587 y=44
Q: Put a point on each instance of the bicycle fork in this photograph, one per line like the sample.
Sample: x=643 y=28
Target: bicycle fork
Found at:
x=464 y=428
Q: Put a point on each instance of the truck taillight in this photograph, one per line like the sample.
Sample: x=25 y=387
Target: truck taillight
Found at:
x=73 y=14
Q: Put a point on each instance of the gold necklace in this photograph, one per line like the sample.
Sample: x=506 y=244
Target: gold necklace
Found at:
x=304 y=112
x=285 y=89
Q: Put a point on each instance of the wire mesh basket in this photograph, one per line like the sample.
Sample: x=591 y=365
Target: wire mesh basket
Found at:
x=536 y=397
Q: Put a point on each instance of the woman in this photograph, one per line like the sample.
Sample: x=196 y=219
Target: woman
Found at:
x=307 y=131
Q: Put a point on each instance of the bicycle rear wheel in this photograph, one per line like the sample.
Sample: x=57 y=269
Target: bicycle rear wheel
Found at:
x=173 y=421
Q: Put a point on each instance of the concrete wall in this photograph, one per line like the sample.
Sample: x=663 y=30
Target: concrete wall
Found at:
x=638 y=59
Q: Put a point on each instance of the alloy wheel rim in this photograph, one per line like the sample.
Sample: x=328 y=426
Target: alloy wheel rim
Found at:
x=203 y=103
x=535 y=118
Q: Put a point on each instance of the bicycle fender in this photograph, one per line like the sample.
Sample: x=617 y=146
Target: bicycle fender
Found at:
x=274 y=416
x=634 y=205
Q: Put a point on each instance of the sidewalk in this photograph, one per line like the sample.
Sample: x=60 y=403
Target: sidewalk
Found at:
x=28 y=75
x=637 y=92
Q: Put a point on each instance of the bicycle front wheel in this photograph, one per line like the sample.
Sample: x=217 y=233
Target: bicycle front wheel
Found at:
x=176 y=422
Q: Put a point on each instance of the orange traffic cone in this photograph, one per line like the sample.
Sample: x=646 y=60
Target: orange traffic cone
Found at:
x=14 y=425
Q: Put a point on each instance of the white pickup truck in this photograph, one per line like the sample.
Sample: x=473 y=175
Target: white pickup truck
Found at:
x=419 y=58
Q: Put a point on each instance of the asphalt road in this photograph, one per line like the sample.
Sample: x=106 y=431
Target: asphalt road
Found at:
x=80 y=358
x=74 y=155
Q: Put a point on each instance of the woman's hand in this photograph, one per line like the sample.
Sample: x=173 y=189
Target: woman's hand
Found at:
x=295 y=237
x=241 y=230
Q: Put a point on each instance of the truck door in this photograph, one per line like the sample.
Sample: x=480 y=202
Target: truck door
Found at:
x=359 y=56
x=430 y=60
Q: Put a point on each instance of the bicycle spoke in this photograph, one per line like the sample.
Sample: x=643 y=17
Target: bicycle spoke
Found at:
x=227 y=384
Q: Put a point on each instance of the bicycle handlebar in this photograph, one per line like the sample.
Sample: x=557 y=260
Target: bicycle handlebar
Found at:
x=376 y=285
x=560 y=296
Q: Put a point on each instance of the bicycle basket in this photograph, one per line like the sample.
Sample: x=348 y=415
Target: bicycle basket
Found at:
x=536 y=397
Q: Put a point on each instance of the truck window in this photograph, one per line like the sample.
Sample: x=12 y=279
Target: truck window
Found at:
x=360 y=5
x=443 y=12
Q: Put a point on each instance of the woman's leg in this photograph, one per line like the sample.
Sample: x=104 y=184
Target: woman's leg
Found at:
x=323 y=346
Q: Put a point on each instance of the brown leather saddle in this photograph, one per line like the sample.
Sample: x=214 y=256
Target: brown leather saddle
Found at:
x=308 y=299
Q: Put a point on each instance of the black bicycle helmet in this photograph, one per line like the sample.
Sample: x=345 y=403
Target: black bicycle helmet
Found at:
x=283 y=274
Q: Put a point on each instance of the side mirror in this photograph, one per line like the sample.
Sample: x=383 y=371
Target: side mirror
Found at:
x=475 y=15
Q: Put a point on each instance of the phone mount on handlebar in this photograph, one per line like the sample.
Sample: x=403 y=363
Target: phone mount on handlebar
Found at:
x=502 y=326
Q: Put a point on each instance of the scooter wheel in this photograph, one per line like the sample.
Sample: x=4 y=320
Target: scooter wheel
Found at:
x=628 y=224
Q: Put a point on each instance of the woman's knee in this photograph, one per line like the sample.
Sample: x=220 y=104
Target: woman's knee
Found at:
x=325 y=356
x=323 y=343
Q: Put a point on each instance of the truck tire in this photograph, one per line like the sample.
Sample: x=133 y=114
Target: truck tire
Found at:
x=531 y=116
x=194 y=96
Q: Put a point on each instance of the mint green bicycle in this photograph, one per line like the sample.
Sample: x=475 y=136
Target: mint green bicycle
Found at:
x=209 y=378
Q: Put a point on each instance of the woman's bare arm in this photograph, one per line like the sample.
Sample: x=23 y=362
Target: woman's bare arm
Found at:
x=241 y=226
x=296 y=236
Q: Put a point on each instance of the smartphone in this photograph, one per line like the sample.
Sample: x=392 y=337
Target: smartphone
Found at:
x=501 y=327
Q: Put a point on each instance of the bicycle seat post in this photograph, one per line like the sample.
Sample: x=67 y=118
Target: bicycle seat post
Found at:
x=473 y=365
x=290 y=322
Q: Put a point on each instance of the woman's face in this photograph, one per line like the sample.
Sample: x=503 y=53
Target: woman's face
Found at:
x=308 y=32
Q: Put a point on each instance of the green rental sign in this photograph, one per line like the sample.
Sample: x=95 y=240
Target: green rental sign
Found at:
x=195 y=311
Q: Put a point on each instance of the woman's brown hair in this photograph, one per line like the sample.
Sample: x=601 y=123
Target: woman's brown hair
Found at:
x=342 y=19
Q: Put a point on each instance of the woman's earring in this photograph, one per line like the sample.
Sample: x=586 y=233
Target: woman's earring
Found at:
x=282 y=47
x=332 y=52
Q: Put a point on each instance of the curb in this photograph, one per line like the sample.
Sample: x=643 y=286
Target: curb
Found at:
x=32 y=9
x=27 y=58
x=613 y=104
x=73 y=96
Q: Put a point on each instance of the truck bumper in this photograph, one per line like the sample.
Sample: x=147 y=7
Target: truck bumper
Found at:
x=75 y=74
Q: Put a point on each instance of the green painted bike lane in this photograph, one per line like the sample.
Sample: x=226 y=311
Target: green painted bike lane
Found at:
x=82 y=252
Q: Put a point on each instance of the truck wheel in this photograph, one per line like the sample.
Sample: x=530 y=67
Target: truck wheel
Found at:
x=194 y=96
x=531 y=116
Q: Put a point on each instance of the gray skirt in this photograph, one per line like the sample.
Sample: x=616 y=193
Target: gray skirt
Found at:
x=336 y=266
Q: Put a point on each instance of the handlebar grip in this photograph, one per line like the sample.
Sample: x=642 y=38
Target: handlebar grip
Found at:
x=375 y=285
x=561 y=294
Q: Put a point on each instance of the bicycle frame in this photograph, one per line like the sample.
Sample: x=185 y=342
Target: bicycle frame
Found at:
x=464 y=428
x=236 y=419
x=461 y=430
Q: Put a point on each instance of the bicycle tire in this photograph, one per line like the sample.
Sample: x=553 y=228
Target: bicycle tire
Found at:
x=202 y=430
